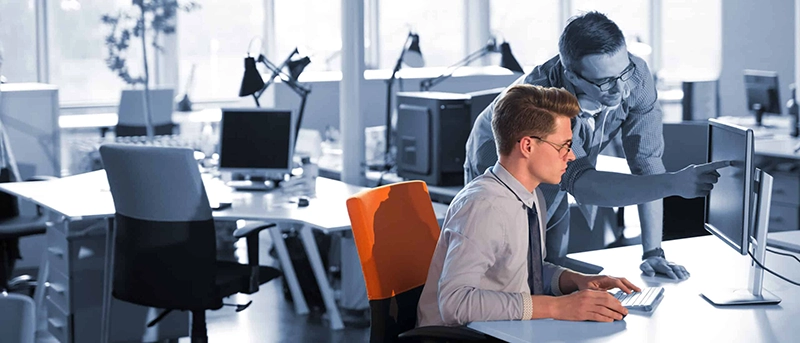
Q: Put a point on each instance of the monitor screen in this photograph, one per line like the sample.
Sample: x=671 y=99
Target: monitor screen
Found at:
x=762 y=91
x=728 y=206
x=256 y=140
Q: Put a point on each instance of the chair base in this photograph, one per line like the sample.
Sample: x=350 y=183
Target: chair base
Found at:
x=199 y=333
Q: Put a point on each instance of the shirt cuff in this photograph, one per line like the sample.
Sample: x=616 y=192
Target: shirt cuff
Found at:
x=527 y=307
x=554 y=282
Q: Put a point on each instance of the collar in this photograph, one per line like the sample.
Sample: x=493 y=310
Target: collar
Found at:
x=516 y=187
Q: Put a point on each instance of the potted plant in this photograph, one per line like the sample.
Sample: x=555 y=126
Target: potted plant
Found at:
x=147 y=21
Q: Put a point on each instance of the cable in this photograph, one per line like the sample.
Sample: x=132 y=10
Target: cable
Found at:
x=784 y=254
x=771 y=272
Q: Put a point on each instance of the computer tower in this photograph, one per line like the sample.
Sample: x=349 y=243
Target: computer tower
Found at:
x=480 y=100
x=432 y=131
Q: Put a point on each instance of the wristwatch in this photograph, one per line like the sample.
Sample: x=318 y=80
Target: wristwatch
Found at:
x=657 y=252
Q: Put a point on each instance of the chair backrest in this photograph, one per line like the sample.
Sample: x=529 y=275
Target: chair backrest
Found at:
x=165 y=244
x=395 y=230
x=130 y=112
x=17 y=318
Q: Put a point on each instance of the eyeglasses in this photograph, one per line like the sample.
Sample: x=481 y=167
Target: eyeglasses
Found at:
x=610 y=82
x=562 y=149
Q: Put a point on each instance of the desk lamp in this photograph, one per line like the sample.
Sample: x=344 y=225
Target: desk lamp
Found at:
x=412 y=56
x=253 y=84
x=507 y=61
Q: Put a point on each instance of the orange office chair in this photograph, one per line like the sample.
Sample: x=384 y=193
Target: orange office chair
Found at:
x=396 y=231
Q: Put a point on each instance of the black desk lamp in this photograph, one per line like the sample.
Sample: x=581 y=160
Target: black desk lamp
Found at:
x=507 y=61
x=253 y=84
x=412 y=56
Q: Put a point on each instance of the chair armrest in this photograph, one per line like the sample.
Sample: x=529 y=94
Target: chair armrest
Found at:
x=250 y=231
x=41 y=178
x=443 y=333
x=251 y=228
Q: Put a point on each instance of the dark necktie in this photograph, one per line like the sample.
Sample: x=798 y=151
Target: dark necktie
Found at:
x=534 y=253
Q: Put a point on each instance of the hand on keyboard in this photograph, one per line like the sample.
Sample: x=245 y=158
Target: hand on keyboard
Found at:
x=644 y=300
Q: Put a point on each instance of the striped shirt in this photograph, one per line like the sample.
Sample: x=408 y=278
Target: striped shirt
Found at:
x=638 y=120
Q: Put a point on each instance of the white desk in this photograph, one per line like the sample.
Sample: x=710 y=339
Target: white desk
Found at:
x=683 y=315
x=87 y=196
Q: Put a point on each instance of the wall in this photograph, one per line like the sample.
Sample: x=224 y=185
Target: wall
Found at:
x=755 y=35
x=322 y=106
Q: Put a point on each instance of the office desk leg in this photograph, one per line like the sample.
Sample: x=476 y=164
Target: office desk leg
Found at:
x=108 y=272
x=322 y=280
x=300 y=306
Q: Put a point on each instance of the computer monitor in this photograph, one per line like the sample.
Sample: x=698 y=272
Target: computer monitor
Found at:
x=737 y=209
x=762 y=93
x=257 y=143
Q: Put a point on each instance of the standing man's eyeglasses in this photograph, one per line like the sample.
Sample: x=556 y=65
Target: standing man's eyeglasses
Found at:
x=563 y=149
x=606 y=84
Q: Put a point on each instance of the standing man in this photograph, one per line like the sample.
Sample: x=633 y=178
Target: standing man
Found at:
x=617 y=97
x=488 y=263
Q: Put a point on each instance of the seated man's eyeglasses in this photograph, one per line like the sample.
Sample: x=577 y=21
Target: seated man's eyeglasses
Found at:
x=606 y=84
x=563 y=149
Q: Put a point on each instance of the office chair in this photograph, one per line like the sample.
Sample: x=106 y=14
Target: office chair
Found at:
x=17 y=319
x=14 y=226
x=395 y=230
x=164 y=239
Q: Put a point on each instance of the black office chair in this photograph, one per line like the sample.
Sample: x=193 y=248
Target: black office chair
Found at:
x=14 y=226
x=165 y=253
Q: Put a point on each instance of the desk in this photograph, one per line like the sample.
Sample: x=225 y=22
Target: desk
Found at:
x=683 y=315
x=326 y=212
x=108 y=120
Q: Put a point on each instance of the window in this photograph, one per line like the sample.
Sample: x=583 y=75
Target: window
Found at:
x=314 y=27
x=214 y=39
x=18 y=40
x=632 y=17
x=691 y=39
x=78 y=52
x=532 y=28
x=440 y=25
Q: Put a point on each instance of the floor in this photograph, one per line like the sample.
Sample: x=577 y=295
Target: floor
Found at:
x=271 y=318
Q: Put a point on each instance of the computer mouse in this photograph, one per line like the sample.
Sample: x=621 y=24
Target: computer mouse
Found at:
x=302 y=202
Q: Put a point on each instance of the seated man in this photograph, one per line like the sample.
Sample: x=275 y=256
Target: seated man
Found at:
x=488 y=263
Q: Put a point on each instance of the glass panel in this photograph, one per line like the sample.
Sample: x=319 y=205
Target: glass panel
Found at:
x=440 y=25
x=314 y=27
x=691 y=39
x=531 y=28
x=214 y=39
x=18 y=40
x=78 y=52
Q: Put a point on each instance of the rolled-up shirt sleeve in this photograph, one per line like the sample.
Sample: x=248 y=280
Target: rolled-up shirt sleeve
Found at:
x=581 y=163
x=475 y=238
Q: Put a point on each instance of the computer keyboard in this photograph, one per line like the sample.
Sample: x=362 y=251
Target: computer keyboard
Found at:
x=646 y=300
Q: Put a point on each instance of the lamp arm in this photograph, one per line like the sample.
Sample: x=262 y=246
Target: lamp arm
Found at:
x=276 y=71
x=426 y=84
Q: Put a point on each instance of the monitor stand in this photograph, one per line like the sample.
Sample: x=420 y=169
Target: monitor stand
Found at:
x=755 y=293
x=252 y=183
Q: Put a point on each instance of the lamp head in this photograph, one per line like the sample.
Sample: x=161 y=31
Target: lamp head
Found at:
x=296 y=66
x=252 y=81
x=413 y=55
x=507 y=59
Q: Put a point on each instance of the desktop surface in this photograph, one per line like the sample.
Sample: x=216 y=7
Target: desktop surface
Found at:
x=682 y=315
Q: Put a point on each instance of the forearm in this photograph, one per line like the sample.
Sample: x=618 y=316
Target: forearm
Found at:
x=615 y=190
x=468 y=304
x=651 y=215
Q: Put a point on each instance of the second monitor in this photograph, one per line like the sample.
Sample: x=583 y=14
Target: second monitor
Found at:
x=256 y=145
x=762 y=93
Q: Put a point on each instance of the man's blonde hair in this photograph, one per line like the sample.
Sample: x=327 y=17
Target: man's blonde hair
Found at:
x=528 y=110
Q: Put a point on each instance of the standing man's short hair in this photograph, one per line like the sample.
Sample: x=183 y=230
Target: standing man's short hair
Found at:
x=588 y=34
x=528 y=110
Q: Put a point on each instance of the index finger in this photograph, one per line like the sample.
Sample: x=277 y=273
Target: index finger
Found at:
x=630 y=285
x=714 y=165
